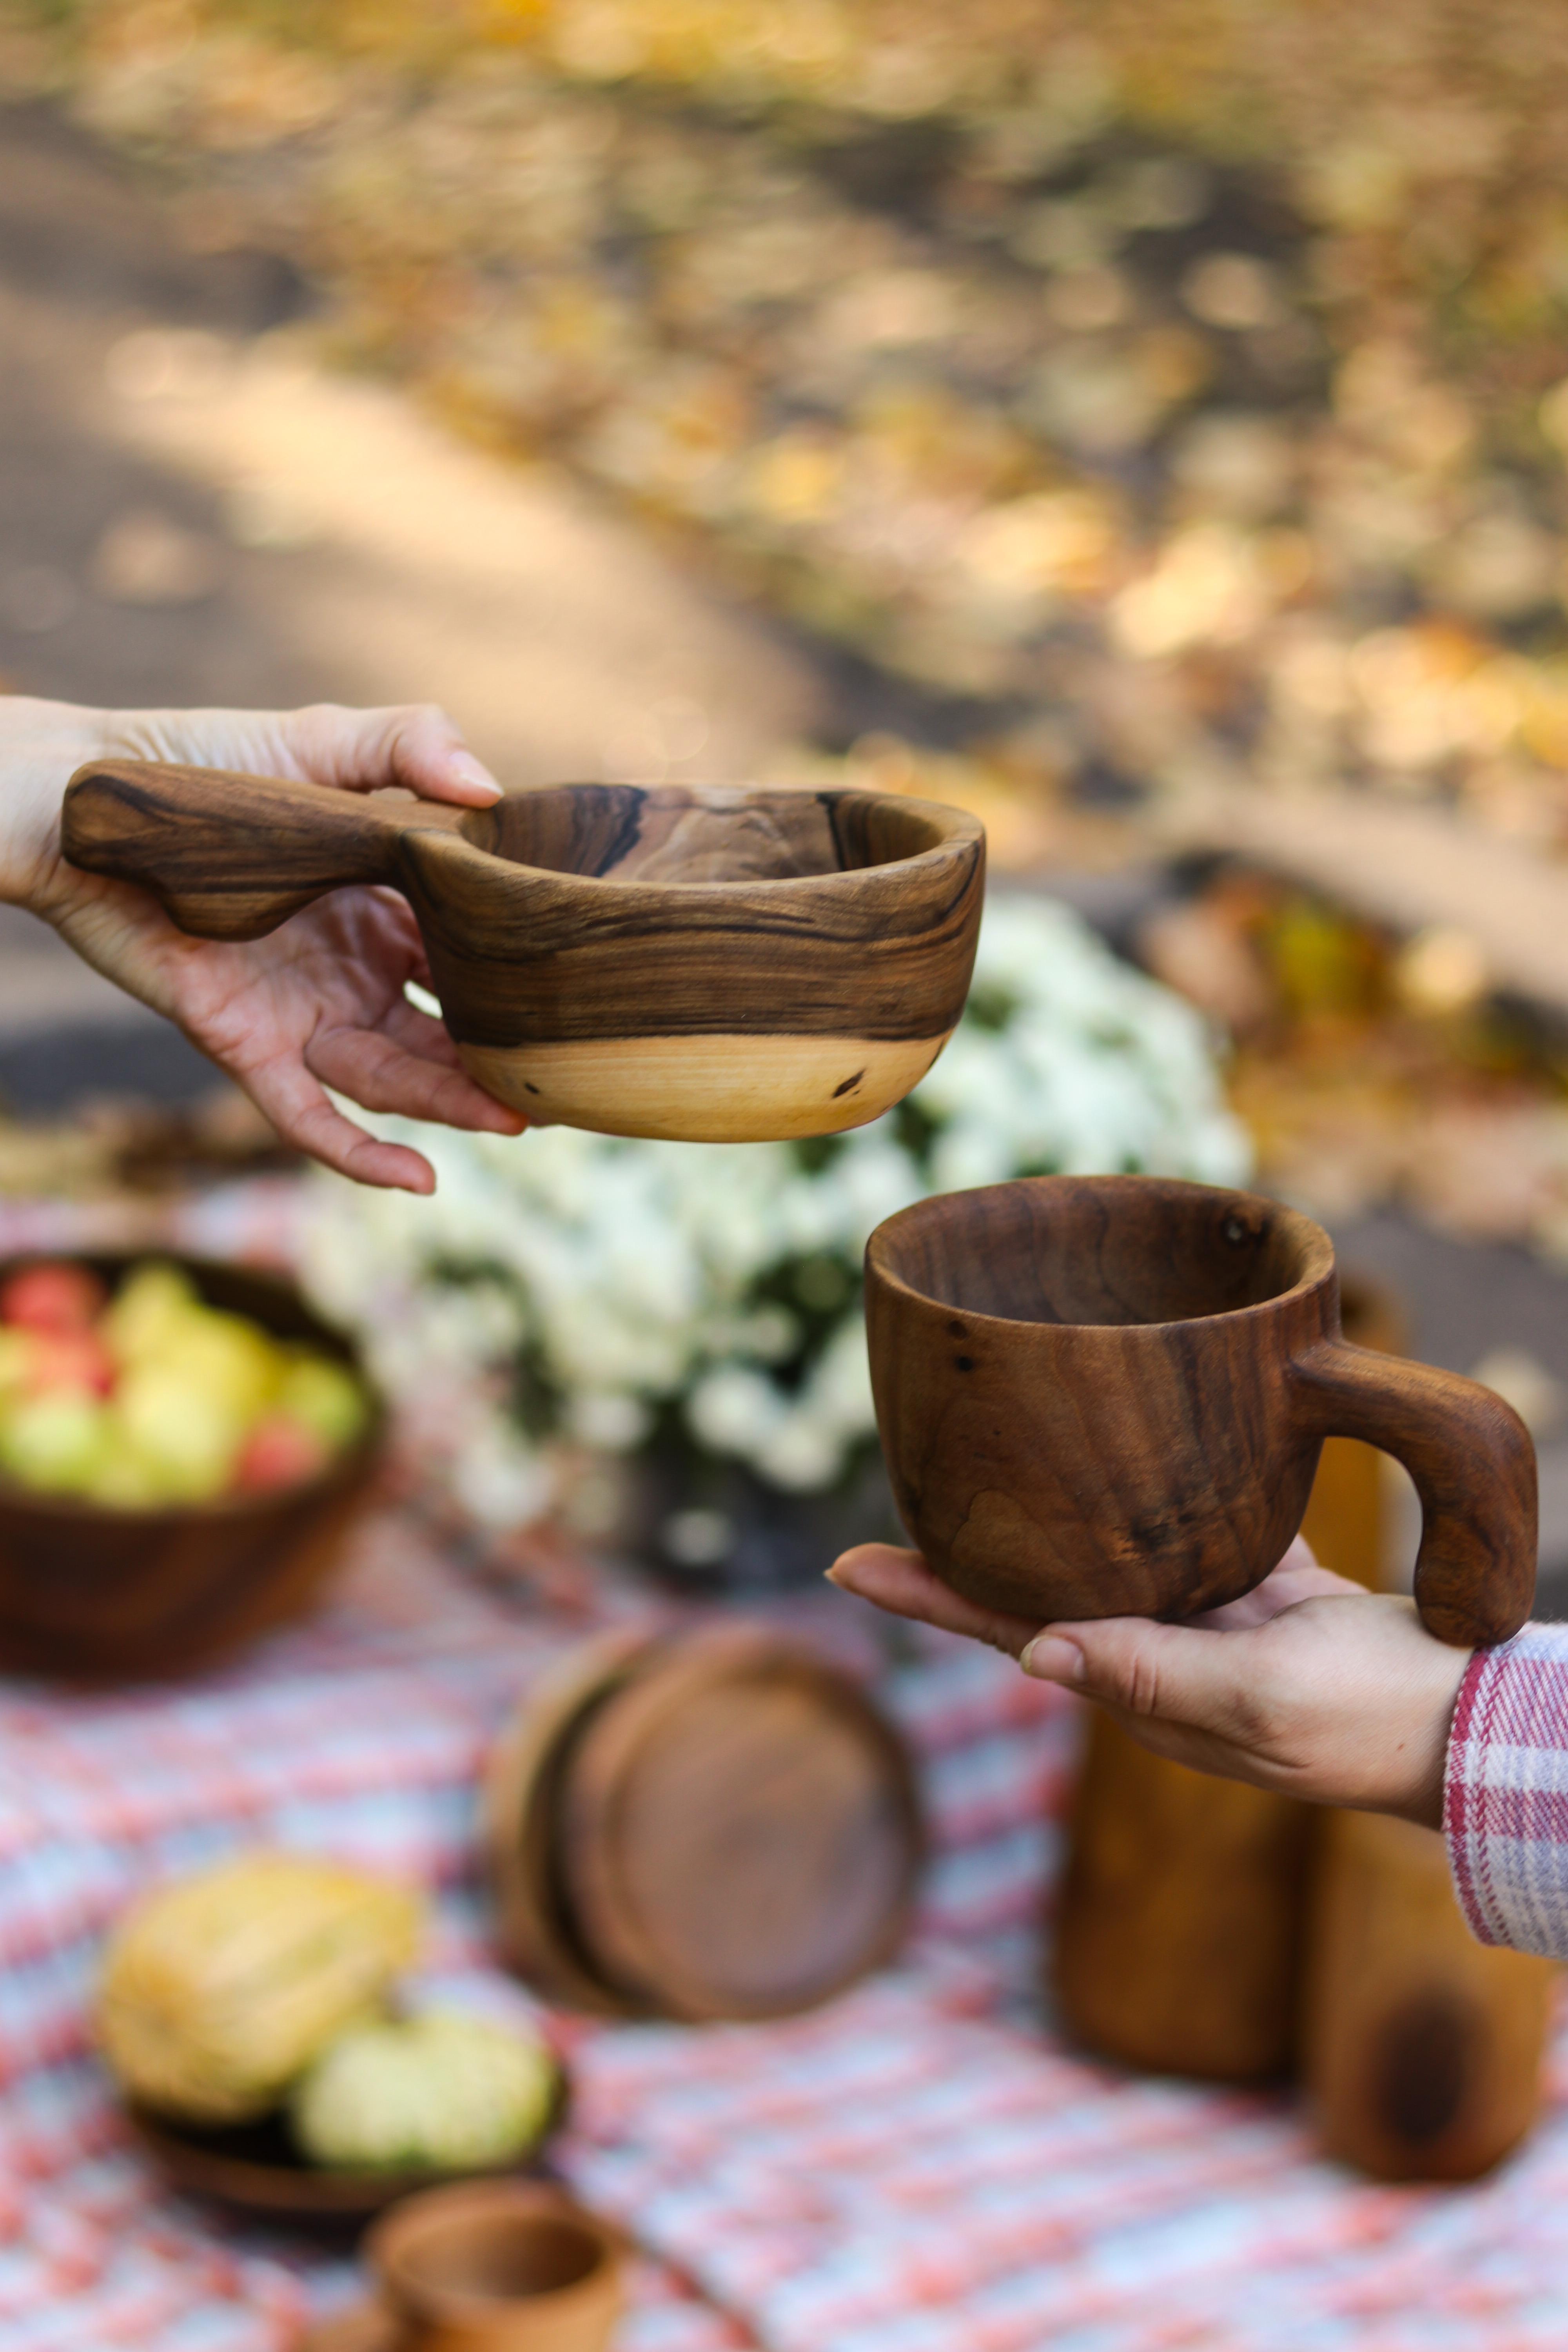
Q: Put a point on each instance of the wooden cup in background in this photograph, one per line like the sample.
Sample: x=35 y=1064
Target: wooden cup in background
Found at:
x=501 y=2266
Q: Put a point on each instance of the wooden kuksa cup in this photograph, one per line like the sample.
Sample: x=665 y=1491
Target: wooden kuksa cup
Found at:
x=722 y=965
x=1105 y=1396
x=498 y=2266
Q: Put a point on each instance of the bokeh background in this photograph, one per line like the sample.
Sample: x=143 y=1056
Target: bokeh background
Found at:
x=1148 y=427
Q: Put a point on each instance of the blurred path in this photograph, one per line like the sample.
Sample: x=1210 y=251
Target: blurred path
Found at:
x=190 y=513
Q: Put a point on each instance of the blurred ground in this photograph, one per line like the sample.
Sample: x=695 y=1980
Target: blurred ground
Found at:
x=230 y=526
x=192 y=509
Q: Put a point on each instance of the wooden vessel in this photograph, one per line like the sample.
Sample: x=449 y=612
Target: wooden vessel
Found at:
x=722 y=965
x=1177 y=1940
x=499 y=2266
x=1422 y=2048
x=1105 y=1396
x=95 y=1595
x=1179 y=1931
x=713 y=1823
x=255 y=2169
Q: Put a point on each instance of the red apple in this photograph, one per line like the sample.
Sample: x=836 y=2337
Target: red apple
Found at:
x=52 y=1295
x=280 y=1452
x=69 y=1359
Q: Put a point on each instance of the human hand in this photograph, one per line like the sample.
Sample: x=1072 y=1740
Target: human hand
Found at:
x=1308 y=1685
x=320 y=1002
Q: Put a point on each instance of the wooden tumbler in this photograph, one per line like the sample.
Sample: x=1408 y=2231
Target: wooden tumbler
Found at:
x=1178 y=1942
x=1422 y=2049
x=1105 y=1396
x=722 y=965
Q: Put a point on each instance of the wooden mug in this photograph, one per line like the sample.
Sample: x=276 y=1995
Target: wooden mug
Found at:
x=1105 y=1396
x=721 y=965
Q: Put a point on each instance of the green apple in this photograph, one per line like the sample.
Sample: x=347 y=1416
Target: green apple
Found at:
x=53 y=1441
x=124 y=1478
x=325 y=1396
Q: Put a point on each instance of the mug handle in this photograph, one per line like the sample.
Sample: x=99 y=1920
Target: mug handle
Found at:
x=231 y=856
x=1473 y=1464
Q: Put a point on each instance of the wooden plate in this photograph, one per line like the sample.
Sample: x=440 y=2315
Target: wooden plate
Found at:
x=523 y=1801
x=255 y=2169
x=741 y=1832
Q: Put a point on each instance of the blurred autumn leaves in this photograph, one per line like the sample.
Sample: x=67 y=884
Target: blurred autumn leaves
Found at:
x=1144 y=395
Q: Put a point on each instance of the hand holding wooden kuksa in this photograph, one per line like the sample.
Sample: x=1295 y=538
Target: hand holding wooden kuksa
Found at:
x=722 y=965
x=1105 y=1397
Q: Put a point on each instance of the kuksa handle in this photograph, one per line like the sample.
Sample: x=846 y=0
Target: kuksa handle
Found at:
x=1473 y=1466
x=231 y=857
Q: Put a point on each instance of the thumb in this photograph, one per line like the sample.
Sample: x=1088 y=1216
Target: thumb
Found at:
x=415 y=744
x=1175 y=1673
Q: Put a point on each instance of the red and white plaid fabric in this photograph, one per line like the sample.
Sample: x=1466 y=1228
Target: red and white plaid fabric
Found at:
x=921 y=2167
x=1505 y=1802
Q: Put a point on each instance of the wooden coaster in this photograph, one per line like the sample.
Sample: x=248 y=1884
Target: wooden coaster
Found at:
x=523 y=1801
x=741 y=1831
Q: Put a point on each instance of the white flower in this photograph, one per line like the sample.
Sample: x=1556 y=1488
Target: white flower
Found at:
x=628 y=1275
x=734 y=1410
x=801 y=1454
x=500 y=1480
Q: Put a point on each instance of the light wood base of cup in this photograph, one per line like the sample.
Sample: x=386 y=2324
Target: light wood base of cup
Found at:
x=714 y=1089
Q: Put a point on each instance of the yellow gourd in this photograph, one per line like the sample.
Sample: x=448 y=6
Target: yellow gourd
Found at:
x=216 y=1992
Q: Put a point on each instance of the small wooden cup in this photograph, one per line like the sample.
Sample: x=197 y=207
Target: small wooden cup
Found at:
x=1105 y=1396
x=722 y=965
x=501 y=2267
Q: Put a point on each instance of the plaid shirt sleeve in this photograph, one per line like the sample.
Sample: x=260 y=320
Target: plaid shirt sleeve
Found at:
x=1505 y=1797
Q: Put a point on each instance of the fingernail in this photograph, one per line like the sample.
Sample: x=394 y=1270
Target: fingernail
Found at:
x=833 y=1576
x=1051 y=1660
x=470 y=771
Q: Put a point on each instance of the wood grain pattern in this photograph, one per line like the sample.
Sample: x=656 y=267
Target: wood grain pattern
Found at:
x=1422 y=2049
x=1178 y=1930
x=711 y=1822
x=1347 y=1512
x=589 y=915
x=1105 y=1396
x=93 y=1594
x=742 y=1832
x=524 y=1800
x=1180 y=1920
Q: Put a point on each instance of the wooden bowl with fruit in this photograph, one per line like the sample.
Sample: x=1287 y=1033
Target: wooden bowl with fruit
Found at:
x=182 y=1445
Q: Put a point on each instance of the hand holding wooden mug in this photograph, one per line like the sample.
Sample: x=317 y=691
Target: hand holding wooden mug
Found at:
x=1309 y=1685
x=1101 y=1403
x=1105 y=1397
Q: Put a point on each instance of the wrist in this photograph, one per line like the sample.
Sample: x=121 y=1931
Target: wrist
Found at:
x=1421 y=1717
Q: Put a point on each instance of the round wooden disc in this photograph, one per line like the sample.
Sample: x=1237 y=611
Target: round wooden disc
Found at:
x=524 y=1793
x=741 y=1834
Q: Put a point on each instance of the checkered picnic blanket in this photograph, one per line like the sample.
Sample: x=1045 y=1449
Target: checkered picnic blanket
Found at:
x=920 y=2167
x=916 y=2167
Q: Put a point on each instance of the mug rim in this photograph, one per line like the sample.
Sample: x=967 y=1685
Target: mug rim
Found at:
x=429 y=2211
x=1317 y=1242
